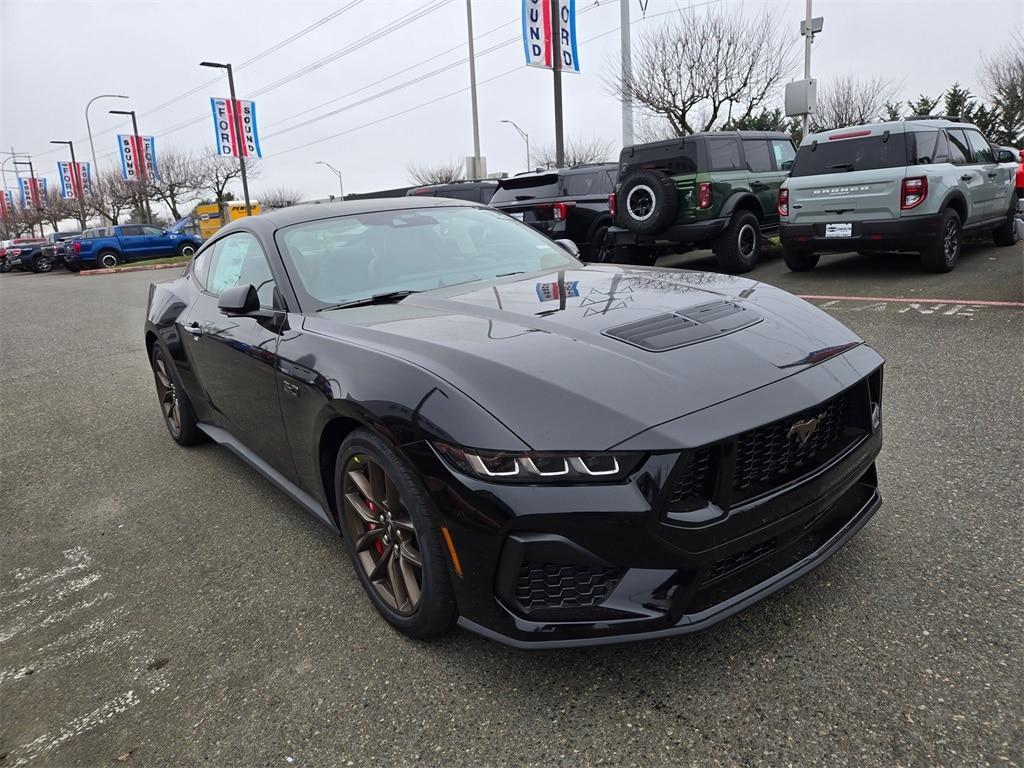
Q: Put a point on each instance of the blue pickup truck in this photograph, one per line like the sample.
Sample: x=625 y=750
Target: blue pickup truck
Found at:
x=109 y=246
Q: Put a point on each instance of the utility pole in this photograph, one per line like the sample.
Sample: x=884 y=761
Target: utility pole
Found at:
x=139 y=161
x=808 y=39
x=627 y=74
x=556 y=69
x=475 y=172
x=236 y=122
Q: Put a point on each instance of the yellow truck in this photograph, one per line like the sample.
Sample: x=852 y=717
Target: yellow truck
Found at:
x=211 y=217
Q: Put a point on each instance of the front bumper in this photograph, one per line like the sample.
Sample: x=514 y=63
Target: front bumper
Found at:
x=908 y=233
x=625 y=568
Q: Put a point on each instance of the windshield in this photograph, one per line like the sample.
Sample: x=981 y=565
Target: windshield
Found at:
x=354 y=257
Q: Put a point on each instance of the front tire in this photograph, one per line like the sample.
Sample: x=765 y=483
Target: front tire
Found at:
x=738 y=248
x=107 y=260
x=943 y=254
x=1006 y=234
x=799 y=261
x=186 y=250
x=392 y=536
x=179 y=417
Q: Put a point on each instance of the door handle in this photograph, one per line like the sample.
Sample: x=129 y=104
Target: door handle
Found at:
x=967 y=177
x=757 y=185
x=992 y=175
x=195 y=329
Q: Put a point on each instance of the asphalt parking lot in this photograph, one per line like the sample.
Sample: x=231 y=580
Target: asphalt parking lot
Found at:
x=165 y=606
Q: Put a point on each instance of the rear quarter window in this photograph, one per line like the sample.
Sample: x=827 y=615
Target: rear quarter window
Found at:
x=845 y=155
x=587 y=184
x=724 y=154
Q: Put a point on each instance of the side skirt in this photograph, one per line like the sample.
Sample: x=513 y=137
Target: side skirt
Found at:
x=307 y=502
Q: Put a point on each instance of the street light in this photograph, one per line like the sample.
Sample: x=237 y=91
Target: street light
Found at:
x=140 y=162
x=526 y=138
x=237 y=125
x=88 y=127
x=3 y=170
x=341 y=186
x=76 y=181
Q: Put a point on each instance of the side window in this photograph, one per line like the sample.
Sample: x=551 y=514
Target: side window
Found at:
x=784 y=153
x=758 y=155
x=724 y=154
x=238 y=259
x=982 y=151
x=959 y=153
x=201 y=266
x=131 y=230
x=924 y=147
x=152 y=231
x=941 y=149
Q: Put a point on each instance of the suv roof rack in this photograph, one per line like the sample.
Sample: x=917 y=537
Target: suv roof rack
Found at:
x=951 y=118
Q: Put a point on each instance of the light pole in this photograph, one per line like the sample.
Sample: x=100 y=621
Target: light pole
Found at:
x=476 y=171
x=139 y=161
x=3 y=171
x=341 y=186
x=76 y=182
x=237 y=125
x=526 y=138
x=88 y=127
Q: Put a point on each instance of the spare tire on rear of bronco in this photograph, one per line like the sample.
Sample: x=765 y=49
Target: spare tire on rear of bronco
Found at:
x=647 y=202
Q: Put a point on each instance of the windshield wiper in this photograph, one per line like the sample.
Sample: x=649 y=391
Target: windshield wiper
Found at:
x=390 y=297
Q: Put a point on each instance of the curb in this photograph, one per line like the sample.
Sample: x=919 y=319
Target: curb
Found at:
x=146 y=268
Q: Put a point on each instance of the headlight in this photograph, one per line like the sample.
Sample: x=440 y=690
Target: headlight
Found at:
x=540 y=467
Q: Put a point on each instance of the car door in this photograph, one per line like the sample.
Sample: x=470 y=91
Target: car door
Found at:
x=763 y=177
x=156 y=243
x=133 y=241
x=235 y=358
x=993 y=178
x=972 y=178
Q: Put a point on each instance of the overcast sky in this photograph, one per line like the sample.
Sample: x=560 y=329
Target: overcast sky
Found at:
x=54 y=56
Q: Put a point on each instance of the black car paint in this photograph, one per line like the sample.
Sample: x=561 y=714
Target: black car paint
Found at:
x=495 y=365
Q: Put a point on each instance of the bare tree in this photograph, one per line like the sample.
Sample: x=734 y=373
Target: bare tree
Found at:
x=280 y=197
x=111 y=196
x=57 y=209
x=1003 y=78
x=439 y=173
x=577 y=152
x=180 y=182
x=219 y=172
x=849 y=101
x=703 y=69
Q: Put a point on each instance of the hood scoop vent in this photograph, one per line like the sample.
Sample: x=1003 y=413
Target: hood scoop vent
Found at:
x=683 y=327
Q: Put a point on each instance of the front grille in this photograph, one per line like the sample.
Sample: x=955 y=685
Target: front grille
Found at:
x=692 y=486
x=770 y=455
x=549 y=585
x=722 y=568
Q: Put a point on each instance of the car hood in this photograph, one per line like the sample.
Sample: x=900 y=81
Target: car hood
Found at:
x=548 y=356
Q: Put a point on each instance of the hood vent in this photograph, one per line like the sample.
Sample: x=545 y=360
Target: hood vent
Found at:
x=672 y=330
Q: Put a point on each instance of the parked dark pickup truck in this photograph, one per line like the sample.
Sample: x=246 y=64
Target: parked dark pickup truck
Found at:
x=19 y=253
x=109 y=246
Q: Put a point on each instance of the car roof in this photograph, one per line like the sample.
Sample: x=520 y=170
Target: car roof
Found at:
x=896 y=126
x=298 y=214
x=713 y=135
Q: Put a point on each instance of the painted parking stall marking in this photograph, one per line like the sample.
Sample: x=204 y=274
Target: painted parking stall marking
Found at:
x=962 y=308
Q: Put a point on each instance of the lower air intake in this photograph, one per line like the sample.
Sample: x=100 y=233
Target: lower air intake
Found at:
x=548 y=585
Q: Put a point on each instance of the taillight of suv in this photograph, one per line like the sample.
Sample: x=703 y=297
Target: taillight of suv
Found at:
x=613 y=205
x=704 y=194
x=913 y=191
x=783 y=202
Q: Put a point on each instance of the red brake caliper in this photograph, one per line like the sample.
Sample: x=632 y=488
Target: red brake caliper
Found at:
x=378 y=545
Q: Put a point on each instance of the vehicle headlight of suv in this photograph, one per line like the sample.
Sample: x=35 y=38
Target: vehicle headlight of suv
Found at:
x=538 y=467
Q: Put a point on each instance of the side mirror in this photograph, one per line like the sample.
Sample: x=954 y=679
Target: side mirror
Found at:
x=788 y=165
x=239 y=300
x=1005 y=156
x=570 y=246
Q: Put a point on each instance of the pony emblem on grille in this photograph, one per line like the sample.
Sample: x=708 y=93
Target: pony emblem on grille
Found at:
x=802 y=430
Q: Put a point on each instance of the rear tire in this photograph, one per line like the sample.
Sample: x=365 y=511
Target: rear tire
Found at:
x=433 y=611
x=944 y=252
x=799 y=261
x=179 y=418
x=1006 y=234
x=107 y=260
x=602 y=249
x=5 y=266
x=42 y=264
x=738 y=248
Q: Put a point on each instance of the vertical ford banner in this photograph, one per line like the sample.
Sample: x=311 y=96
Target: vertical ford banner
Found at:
x=72 y=186
x=138 y=157
x=537 y=34
x=239 y=137
x=33 y=192
x=6 y=204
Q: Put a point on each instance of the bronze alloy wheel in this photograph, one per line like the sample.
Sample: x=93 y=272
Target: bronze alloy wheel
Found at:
x=168 y=395
x=382 y=534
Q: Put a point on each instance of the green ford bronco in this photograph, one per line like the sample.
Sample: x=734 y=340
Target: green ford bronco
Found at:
x=714 y=190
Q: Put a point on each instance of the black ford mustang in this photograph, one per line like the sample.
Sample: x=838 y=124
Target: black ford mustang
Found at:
x=549 y=452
